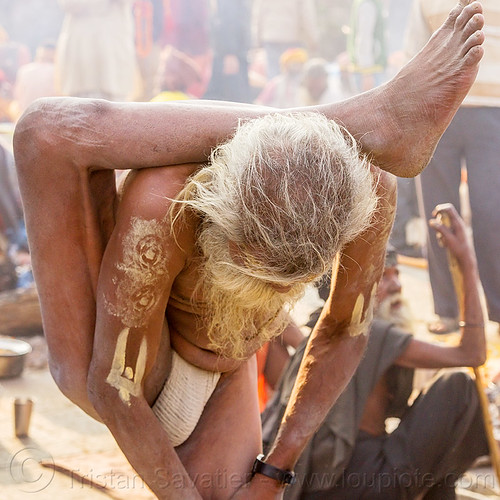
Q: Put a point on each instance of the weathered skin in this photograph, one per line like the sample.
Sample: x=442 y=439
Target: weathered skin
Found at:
x=85 y=240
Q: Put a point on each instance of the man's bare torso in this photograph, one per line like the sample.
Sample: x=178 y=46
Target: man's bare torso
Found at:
x=184 y=315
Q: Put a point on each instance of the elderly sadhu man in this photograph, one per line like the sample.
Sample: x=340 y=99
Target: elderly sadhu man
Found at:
x=155 y=299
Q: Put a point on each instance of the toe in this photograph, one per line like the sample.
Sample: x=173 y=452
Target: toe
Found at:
x=467 y=14
x=474 y=40
x=474 y=55
x=475 y=23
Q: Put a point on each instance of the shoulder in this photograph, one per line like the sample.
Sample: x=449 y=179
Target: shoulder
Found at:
x=385 y=332
x=147 y=196
x=149 y=192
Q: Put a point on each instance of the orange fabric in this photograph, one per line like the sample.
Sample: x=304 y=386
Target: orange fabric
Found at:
x=143 y=13
x=261 y=381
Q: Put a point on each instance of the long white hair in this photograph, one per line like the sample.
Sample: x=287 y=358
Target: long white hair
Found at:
x=288 y=191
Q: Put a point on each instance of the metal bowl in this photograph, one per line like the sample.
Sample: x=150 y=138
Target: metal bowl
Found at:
x=12 y=354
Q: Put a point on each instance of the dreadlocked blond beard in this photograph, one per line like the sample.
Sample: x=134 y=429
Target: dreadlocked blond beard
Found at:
x=242 y=312
x=401 y=316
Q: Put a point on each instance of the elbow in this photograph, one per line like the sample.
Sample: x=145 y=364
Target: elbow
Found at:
x=475 y=357
x=478 y=359
x=105 y=398
x=30 y=135
x=71 y=379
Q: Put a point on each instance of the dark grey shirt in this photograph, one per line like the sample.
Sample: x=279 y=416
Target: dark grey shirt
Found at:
x=329 y=451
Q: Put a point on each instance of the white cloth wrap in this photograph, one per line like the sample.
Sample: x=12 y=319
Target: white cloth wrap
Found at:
x=183 y=398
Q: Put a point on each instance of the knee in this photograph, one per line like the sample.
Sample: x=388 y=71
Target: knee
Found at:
x=33 y=137
x=56 y=128
x=457 y=388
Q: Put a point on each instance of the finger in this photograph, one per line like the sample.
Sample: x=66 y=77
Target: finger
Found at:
x=448 y=215
x=443 y=232
x=443 y=208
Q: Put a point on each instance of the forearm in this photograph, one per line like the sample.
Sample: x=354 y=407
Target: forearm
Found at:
x=327 y=367
x=339 y=338
x=146 y=446
x=473 y=340
x=469 y=304
x=452 y=234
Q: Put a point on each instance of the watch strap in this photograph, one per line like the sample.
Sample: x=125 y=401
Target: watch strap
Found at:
x=280 y=475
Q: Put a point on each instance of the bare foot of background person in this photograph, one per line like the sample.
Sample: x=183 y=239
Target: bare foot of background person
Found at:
x=411 y=112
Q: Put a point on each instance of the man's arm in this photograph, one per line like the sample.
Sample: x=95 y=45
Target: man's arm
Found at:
x=139 y=266
x=336 y=344
x=471 y=349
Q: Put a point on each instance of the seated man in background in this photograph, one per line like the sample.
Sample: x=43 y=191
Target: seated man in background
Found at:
x=440 y=434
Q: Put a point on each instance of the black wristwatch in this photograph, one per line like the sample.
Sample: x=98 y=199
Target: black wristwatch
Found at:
x=280 y=475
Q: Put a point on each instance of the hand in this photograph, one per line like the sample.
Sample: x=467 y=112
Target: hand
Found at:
x=260 y=488
x=452 y=236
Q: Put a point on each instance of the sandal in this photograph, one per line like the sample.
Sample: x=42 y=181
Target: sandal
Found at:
x=443 y=326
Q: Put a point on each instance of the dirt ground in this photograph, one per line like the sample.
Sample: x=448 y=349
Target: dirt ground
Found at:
x=81 y=460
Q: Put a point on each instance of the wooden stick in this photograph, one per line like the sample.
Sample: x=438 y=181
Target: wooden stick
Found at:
x=480 y=385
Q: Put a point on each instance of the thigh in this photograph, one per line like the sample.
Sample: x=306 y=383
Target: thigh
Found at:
x=219 y=454
x=368 y=475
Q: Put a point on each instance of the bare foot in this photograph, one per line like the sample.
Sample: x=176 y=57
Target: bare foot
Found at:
x=443 y=325
x=411 y=112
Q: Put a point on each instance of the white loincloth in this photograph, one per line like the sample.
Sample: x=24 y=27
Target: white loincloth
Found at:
x=183 y=398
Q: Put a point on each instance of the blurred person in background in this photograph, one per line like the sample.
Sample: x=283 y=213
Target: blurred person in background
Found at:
x=35 y=79
x=11 y=220
x=176 y=74
x=471 y=140
x=230 y=34
x=278 y=25
x=440 y=434
x=11 y=214
x=95 y=50
x=148 y=19
x=282 y=91
x=13 y=55
x=187 y=28
x=30 y=22
x=367 y=44
x=317 y=87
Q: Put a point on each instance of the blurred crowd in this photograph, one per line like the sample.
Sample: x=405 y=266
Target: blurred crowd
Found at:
x=215 y=49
